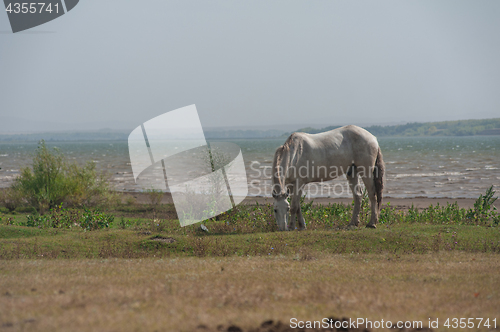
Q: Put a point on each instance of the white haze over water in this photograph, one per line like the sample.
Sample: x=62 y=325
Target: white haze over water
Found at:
x=454 y=167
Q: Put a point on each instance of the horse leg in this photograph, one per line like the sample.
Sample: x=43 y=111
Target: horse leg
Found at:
x=356 y=194
x=302 y=222
x=293 y=217
x=370 y=188
x=294 y=208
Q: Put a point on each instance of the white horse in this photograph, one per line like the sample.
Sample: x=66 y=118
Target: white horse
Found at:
x=306 y=158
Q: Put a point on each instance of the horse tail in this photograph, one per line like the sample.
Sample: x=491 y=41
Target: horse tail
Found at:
x=378 y=176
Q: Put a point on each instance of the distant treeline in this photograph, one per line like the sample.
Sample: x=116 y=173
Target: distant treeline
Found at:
x=123 y=136
x=243 y=133
x=444 y=128
x=75 y=136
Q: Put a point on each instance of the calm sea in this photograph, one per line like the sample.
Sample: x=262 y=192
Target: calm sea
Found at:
x=451 y=167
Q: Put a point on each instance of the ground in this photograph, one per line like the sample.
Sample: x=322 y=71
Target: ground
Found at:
x=181 y=294
x=145 y=273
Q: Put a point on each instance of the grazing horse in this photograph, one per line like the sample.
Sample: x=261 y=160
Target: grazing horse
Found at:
x=306 y=158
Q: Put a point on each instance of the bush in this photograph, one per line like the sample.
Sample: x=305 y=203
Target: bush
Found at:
x=87 y=187
x=11 y=199
x=52 y=180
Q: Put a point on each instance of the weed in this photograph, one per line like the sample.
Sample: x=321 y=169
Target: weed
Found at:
x=123 y=223
x=92 y=220
x=154 y=196
x=67 y=218
x=484 y=210
x=130 y=201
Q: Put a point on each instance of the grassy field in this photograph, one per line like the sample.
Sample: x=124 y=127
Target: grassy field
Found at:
x=19 y=242
x=138 y=270
x=142 y=231
x=180 y=294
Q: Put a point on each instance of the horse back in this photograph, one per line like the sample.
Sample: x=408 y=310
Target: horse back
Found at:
x=339 y=148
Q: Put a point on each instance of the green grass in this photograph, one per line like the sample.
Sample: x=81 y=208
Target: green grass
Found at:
x=133 y=231
x=173 y=241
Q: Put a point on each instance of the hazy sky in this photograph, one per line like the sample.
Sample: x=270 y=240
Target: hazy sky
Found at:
x=256 y=62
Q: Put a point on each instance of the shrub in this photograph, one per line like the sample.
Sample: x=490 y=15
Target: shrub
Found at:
x=44 y=185
x=11 y=199
x=52 y=180
x=88 y=187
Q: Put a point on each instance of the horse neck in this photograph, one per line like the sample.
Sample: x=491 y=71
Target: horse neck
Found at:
x=281 y=163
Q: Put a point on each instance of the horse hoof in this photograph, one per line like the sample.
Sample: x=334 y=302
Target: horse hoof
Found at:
x=371 y=226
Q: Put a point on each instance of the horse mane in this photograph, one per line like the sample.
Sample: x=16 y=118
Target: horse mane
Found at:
x=286 y=155
x=278 y=184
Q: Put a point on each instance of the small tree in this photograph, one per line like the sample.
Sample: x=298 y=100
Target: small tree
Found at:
x=44 y=186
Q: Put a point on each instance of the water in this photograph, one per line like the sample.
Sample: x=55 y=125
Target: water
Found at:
x=454 y=167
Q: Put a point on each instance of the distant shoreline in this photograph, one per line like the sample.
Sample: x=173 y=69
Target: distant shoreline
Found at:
x=480 y=127
x=124 y=140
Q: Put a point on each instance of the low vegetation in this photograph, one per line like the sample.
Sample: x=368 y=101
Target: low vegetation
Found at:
x=52 y=180
x=248 y=230
x=58 y=217
x=154 y=196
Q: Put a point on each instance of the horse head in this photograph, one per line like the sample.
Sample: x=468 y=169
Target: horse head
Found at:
x=281 y=209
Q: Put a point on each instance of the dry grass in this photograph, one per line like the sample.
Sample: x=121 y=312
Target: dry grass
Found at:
x=179 y=294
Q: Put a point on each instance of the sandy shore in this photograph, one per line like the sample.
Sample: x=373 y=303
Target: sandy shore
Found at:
x=398 y=203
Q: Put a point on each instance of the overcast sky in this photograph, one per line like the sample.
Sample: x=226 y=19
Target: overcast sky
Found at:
x=256 y=62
